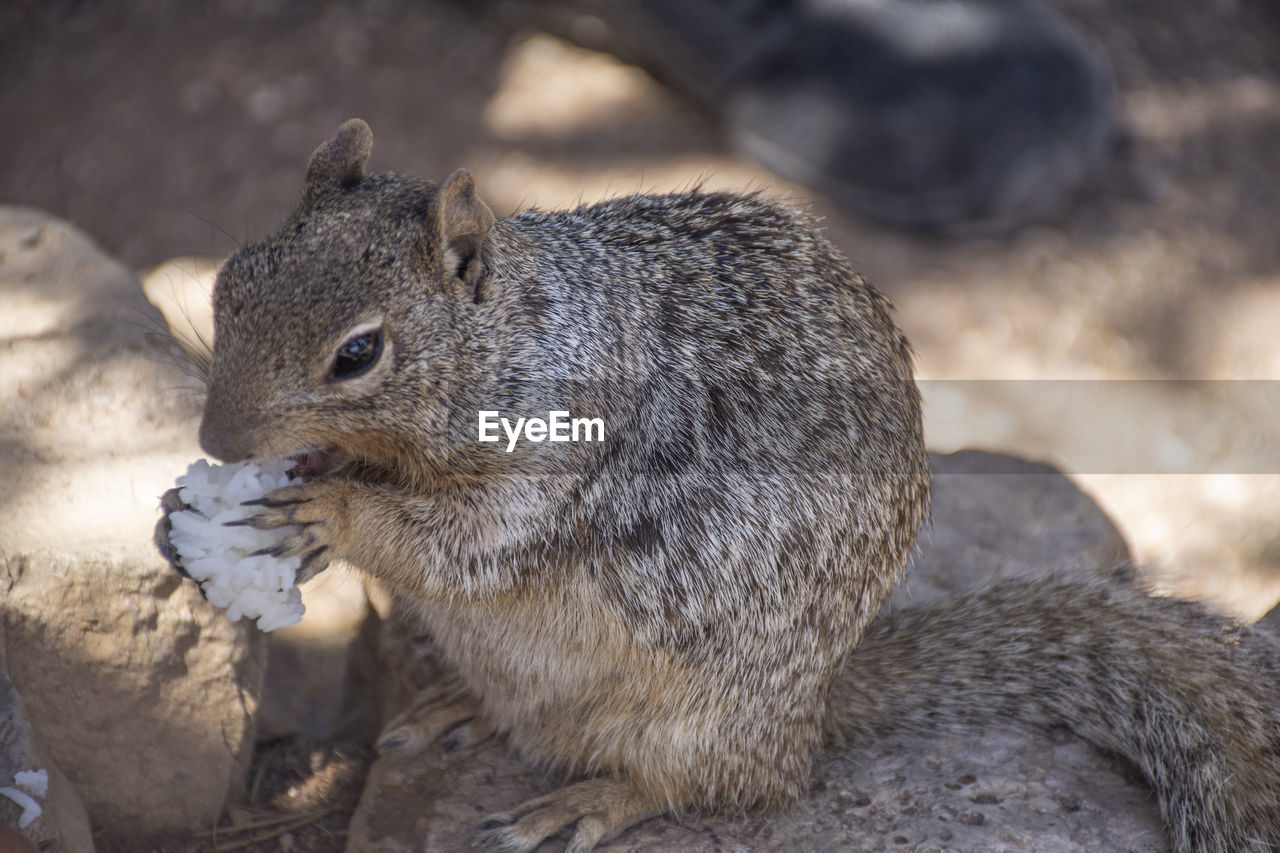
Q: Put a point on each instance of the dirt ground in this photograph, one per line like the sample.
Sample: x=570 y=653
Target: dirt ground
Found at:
x=166 y=129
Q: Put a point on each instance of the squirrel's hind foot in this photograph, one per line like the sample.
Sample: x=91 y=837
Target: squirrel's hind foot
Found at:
x=600 y=808
x=444 y=712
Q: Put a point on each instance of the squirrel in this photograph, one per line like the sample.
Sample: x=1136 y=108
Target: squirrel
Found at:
x=688 y=611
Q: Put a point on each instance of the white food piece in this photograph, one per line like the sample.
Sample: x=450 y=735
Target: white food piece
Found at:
x=30 y=808
x=221 y=558
x=34 y=782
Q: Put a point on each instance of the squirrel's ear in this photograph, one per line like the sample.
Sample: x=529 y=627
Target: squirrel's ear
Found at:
x=341 y=160
x=455 y=229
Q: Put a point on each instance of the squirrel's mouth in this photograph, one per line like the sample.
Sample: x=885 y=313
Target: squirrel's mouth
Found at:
x=310 y=464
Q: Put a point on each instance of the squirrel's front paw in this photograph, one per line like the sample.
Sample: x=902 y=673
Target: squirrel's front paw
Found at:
x=315 y=515
x=170 y=503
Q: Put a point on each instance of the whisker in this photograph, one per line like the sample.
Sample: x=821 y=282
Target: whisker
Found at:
x=239 y=242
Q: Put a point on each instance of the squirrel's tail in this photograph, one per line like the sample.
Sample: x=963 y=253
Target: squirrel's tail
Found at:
x=1192 y=698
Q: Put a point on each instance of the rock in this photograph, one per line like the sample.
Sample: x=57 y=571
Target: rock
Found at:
x=320 y=672
x=997 y=516
x=144 y=694
x=399 y=784
x=63 y=825
x=993 y=516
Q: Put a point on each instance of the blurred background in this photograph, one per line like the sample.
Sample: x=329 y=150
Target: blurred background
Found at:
x=180 y=130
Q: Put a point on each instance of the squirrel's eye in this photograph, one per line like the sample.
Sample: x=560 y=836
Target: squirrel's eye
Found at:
x=357 y=355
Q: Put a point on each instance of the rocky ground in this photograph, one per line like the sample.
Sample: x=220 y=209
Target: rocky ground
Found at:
x=165 y=130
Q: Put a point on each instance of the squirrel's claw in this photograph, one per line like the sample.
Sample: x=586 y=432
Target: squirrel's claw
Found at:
x=274 y=503
x=265 y=520
x=309 y=513
x=302 y=544
x=281 y=508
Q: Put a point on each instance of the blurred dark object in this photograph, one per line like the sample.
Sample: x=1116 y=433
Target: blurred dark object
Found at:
x=945 y=115
x=1270 y=621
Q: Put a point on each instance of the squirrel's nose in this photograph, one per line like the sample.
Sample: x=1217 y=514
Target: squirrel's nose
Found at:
x=216 y=445
x=222 y=434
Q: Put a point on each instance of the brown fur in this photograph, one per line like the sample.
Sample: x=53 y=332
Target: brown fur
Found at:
x=673 y=608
